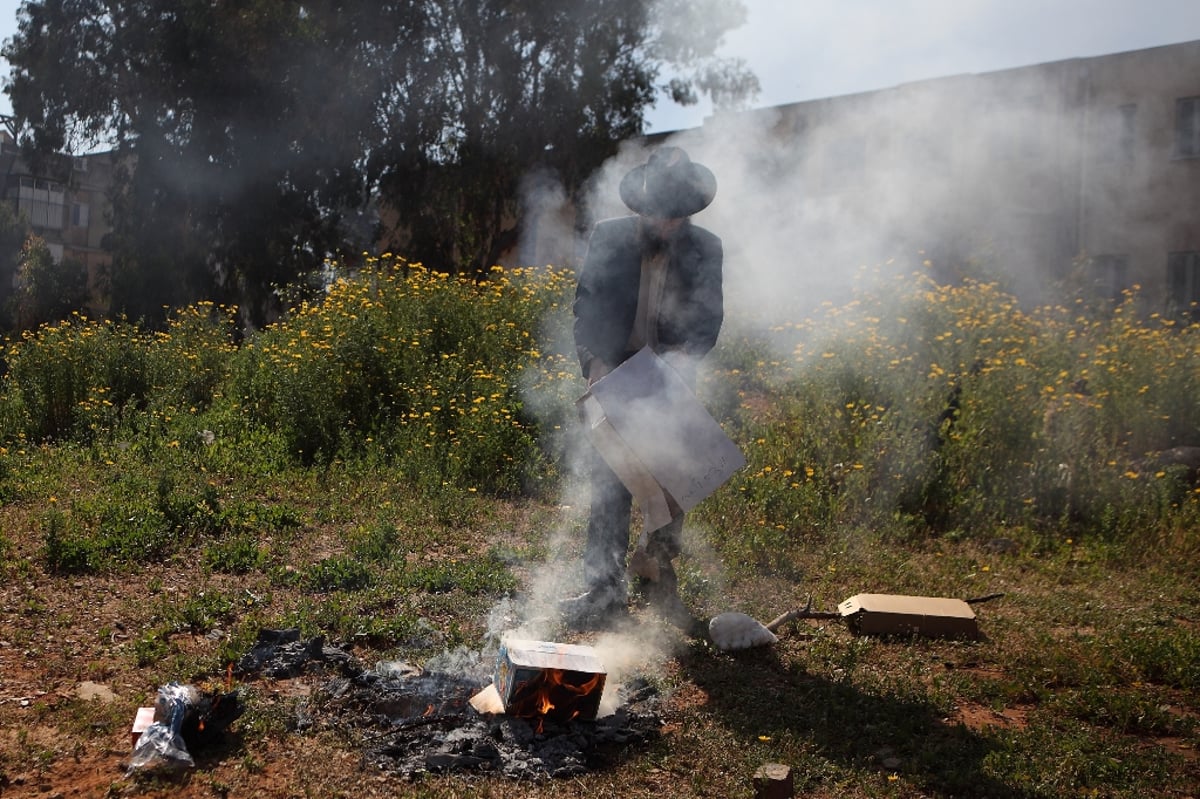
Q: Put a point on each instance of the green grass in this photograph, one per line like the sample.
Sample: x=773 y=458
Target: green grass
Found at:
x=385 y=468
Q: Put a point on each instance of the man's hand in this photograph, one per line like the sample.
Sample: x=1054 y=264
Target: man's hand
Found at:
x=596 y=370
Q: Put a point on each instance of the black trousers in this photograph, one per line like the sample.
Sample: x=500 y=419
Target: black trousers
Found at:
x=608 y=531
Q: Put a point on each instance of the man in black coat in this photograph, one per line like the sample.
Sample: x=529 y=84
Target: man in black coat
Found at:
x=650 y=280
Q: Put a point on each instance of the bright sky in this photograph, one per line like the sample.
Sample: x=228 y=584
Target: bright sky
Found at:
x=806 y=49
x=8 y=27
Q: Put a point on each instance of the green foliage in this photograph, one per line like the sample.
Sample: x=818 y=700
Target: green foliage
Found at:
x=238 y=554
x=377 y=544
x=150 y=649
x=400 y=367
x=143 y=517
x=920 y=408
x=248 y=127
x=917 y=410
x=336 y=574
x=200 y=612
x=190 y=356
x=65 y=550
x=14 y=232
x=353 y=616
x=46 y=291
x=1165 y=653
x=414 y=366
x=81 y=379
x=888 y=451
x=470 y=576
x=73 y=378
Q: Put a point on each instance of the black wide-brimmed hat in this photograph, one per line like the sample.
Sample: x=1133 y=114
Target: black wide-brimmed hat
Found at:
x=668 y=186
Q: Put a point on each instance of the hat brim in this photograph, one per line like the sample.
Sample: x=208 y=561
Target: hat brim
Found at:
x=684 y=194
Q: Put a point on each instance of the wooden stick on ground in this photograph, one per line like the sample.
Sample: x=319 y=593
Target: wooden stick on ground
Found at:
x=805 y=612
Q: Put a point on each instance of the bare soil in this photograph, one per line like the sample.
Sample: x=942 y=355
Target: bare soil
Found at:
x=70 y=685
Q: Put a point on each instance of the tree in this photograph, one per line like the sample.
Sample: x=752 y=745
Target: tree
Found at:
x=546 y=87
x=241 y=126
x=14 y=229
x=688 y=34
x=510 y=87
x=250 y=128
x=46 y=291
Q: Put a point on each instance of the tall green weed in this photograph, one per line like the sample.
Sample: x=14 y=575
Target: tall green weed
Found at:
x=915 y=409
x=921 y=408
x=423 y=369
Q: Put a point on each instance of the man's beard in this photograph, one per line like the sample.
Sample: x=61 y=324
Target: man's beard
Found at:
x=654 y=241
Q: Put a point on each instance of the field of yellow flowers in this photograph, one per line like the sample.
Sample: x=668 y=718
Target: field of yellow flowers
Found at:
x=388 y=460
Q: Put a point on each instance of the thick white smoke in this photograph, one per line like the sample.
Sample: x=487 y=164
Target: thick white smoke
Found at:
x=950 y=173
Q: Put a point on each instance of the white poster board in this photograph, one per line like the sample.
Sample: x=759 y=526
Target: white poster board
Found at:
x=656 y=436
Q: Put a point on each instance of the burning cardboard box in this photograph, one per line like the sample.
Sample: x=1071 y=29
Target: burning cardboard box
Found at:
x=547 y=679
x=658 y=438
x=895 y=614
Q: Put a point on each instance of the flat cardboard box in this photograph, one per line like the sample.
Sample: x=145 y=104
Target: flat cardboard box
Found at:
x=522 y=668
x=657 y=437
x=896 y=614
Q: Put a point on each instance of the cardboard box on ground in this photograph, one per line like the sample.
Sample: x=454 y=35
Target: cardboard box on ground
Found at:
x=897 y=614
x=654 y=433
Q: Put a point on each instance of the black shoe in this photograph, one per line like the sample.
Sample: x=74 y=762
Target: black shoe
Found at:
x=663 y=597
x=597 y=609
x=672 y=609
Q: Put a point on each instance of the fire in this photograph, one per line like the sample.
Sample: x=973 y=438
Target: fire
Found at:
x=549 y=680
x=557 y=693
x=544 y=705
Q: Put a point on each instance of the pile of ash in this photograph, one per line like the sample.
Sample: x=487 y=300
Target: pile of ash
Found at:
x=423 y=722
x=281 y=654
x=412 y=721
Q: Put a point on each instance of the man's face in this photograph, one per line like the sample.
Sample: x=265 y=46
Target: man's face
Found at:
x=659 y=231
x=665 y=228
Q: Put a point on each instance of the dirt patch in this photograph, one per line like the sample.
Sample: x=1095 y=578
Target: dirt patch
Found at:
x=978 y=718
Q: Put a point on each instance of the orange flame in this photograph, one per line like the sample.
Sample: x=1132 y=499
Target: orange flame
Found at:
x=553 y=692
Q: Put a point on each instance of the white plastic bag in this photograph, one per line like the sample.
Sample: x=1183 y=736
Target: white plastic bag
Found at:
x=161 y=745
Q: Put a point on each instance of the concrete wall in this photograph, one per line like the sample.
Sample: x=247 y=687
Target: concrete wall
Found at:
x=1141 y=198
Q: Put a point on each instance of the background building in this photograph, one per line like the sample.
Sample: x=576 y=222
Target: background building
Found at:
x=66 y=203
x=1077 y=176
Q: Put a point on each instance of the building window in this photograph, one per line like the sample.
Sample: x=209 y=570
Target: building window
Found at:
x=43 y=202
x=1109 y=275
x=1183 y=280
x=1187 y=127
x=1116 y=134
x=79 y=214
